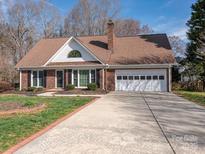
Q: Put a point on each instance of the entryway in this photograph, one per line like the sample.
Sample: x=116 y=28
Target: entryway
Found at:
x=59 y=79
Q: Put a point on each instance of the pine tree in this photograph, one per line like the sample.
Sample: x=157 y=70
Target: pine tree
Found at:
x=196 y=35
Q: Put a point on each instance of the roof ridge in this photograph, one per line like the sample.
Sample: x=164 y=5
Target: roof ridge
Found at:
x=102 y=35
x=142 y=35
x=89 y=35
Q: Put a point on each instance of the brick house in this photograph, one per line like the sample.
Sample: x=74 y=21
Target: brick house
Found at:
x=140 y=63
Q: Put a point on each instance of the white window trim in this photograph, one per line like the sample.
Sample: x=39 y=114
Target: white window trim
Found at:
x=20 y=86
x=56 y=78
x=37 y=79
x=78 y=74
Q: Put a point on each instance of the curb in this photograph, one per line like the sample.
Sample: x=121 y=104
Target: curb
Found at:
x=44 y=130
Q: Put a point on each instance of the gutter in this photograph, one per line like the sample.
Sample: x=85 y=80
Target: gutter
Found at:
x=105 y=66
x=62 y=67
x=140 y=66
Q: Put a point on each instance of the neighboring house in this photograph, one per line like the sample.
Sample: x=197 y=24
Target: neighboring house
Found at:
x=141 y=63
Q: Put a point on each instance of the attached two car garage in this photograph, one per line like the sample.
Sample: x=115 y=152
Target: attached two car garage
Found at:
x=142 y=80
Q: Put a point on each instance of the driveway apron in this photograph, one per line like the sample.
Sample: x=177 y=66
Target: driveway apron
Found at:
x=182 y=121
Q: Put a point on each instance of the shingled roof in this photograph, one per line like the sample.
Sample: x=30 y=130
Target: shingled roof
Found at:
x=141 y=49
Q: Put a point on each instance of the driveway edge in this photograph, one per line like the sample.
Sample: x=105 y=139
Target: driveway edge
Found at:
x=44 y=130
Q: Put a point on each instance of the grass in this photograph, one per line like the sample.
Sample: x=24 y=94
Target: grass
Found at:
x=197 y=97
x=16 y=128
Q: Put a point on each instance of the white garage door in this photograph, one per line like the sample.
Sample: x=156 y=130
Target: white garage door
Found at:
x=141 y=80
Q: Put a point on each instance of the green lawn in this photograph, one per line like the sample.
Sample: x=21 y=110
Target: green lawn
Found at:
x=197 y=97
x=16 y=128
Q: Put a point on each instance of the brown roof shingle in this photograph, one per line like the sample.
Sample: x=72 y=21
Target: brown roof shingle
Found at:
x=142 y=49
x=41 y=52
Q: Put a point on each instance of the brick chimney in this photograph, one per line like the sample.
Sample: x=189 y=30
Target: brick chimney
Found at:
x=110 y=34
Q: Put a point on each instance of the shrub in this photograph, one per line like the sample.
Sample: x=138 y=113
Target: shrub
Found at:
x=70 y=87
x=32 y=89
x=29 y=103
x=92 y=86
x=4 y=86
x=39 y=89
x=176 y=86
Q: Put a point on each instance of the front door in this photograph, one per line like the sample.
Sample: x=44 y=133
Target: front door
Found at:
x=59 y=75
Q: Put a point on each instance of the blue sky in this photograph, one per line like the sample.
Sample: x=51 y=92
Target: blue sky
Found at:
x=164 y=16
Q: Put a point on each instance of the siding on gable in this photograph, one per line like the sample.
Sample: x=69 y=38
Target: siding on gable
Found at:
x=73 y=45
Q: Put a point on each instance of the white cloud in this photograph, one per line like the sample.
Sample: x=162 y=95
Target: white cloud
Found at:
x=181 y=33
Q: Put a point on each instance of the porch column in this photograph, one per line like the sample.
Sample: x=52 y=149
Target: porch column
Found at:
x=20 y=80
x=103 y=79
x=170 y=79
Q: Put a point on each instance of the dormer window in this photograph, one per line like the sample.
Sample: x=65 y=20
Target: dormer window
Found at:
x=74 y=54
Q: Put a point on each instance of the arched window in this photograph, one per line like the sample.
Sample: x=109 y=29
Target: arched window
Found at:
x=74 y=54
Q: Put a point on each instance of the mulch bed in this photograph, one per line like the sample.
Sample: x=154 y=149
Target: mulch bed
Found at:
x=14 y=92
x=83 y=92
x=6 y=106
x=10 y=108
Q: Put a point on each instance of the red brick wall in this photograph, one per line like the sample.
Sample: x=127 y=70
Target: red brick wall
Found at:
x=69 y=76
x=110 y=80
x=98 y=78
x=50 y=79
x=25 y=79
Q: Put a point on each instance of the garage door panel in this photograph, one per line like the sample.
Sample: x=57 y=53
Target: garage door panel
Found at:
x=141 y=80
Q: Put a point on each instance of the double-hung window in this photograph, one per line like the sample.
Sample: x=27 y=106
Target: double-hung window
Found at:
x=92 y=76
x=37 y=78
x=75 y=77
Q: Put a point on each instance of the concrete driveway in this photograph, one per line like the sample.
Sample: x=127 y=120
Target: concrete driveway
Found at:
x=122 y=122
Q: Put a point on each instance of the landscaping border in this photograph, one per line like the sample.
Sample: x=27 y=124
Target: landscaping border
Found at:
x=44 y=130
x=23 y=110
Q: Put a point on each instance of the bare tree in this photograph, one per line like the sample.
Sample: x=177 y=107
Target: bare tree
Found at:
x=49 y=19
x=20 y=28
x=146 y=29
x=17 y=33
x=178 y=46
x=89 y=17
x=127 y=27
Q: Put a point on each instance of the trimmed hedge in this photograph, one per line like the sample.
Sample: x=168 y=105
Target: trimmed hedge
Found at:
x=70 y=87
x=92 y=86
x=34 y=89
